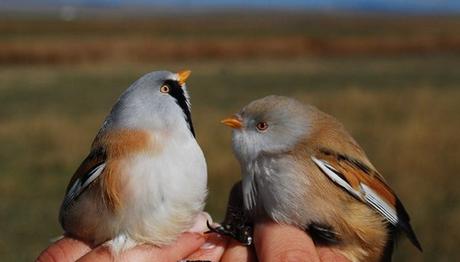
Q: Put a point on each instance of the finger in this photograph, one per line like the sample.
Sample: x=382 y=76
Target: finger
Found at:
x=199 y=223
x=275 y=242
x=237 y=252
x=65 y=249
x=211 y=250
x=183 y=247
x=327 y=254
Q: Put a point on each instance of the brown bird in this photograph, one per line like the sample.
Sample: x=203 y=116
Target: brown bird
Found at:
x=301 y=167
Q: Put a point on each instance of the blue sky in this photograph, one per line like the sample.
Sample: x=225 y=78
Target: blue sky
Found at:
x=425 y=6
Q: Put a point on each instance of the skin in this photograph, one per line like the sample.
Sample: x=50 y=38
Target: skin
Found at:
x=273 y=242
x=68 y=249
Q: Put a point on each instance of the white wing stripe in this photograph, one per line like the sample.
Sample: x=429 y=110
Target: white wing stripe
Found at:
x=94 y=174
x=77 y=188
x=386 y=210
x=329 y=171
x=366 y=193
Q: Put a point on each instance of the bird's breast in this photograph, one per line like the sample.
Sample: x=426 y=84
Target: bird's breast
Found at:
x=277 y=185
x=165 y=189
x=179 y=167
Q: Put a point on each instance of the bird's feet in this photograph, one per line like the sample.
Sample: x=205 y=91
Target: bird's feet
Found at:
x=240 y=232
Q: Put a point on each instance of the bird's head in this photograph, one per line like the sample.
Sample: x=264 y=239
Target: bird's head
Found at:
x=273 y=124
x=158 y=101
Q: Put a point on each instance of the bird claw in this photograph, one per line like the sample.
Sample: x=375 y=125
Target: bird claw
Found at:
x=241 y=233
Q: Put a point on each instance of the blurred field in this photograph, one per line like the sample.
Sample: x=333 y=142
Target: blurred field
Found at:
x=397 y=91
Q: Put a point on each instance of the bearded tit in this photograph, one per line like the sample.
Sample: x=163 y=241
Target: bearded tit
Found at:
x=144 y=180
x=301 y=167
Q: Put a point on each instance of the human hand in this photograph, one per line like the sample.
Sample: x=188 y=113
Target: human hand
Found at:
x=274 y=242
x=189 y=246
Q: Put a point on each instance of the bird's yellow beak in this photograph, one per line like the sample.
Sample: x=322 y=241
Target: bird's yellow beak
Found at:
x=182 y=76
x=233 y=122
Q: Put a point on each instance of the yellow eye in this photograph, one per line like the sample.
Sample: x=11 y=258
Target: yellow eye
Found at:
x=262 y=126
x=164 y=89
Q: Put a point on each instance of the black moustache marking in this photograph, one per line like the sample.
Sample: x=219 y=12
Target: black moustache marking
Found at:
x=176 y=91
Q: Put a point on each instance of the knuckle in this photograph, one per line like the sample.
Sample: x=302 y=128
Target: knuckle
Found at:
x=292 y=255
x=53 y=253
x=47 y=256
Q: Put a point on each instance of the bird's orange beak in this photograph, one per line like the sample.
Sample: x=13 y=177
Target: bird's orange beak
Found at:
x=182 y=76
x=233 y=122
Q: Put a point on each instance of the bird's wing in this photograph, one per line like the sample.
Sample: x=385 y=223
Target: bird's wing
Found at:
x=367 y=185
x=360 y=181
x=90 y=169
x=102 y=165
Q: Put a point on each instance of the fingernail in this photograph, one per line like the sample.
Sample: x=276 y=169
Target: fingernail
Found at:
x=208 y=245
x=212 y=241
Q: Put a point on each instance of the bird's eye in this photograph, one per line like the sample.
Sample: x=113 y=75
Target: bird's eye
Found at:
x=164 y=89
x=262 y=126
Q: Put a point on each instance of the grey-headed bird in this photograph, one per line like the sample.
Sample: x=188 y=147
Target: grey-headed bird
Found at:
x=144 y=180
x=301 y=167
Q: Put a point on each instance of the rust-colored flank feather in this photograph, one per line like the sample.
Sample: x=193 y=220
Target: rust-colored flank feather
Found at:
x=111 y=148
x=355 y=173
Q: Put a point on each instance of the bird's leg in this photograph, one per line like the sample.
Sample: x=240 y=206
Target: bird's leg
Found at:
x=237 y=229
x=237 y=223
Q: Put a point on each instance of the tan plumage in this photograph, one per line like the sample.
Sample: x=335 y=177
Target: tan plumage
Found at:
x=362 y=229
x=301 y=167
